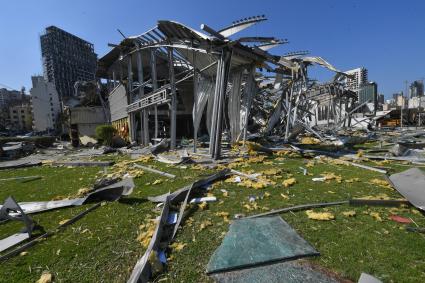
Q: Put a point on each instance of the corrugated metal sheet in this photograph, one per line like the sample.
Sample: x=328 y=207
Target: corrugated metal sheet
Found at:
x=118 y=103
x=87 y=115
x=176 y=30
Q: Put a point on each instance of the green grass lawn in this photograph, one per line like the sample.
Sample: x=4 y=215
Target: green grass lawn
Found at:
x=102 y=246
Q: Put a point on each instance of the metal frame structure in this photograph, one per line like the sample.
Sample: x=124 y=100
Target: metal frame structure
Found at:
x=223 y=72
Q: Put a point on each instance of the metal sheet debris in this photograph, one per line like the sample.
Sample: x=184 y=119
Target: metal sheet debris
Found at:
x=22 y=179
x=142 y=269
x=168 y=223
x=78 y=163
x=47 y=234
x=13 y=240
x=367 y=278
x=179 y=195
x=10 y=205
x=411 y=185
x=109 y=193
x=291 y=272
x=258 y=241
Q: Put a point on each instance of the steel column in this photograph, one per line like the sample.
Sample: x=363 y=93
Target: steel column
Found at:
x=195 y=102
x=140 y=73
x=155 y=87
x=173 y=99
x=224 y=74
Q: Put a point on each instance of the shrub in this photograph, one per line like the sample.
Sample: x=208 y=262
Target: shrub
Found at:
x=105 y=133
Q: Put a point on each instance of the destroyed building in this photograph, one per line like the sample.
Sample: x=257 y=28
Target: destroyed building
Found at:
x=66 y=59
x=173 y=81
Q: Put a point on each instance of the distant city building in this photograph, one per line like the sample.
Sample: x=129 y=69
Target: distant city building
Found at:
x=397 y=94
x=359 y=78
x=386 y=106
x=368 y=93
x=381 y=99
x=45 y=104
x=21 y=117
x=416 y=102
x=416 y=89
x=401 y=101
x=8 y=96
x=66 y=59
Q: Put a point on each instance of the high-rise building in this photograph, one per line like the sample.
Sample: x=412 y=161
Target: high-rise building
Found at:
x=66 y=59
x=416 y=89
x=45 y=105
x=381 y=99
x=358 y=78
x=368 y=92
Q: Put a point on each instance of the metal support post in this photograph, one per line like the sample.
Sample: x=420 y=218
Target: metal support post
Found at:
x=155 y=87
x=130 y=79
x=214 y=108
x=140 y=73
x=195 y=101
x=114 y=79
x=289 y=103
x=226 y=56
x=249 y=95
x=173 y=99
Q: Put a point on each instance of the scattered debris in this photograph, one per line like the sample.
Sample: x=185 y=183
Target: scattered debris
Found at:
x=294 y=271
x=258 y=241
x=22 y=179
x=203 y=200
x=400 y=219
x=289 y=182
x=164 y=234
x=149 y=169
x=83 y=163
x=298 y=208
x=319 y=215
x=350 y=213
x=46 y=277
x=367 y=278
x=111 y=192
x=376 y=216
x=47 y=234
x=411 y=185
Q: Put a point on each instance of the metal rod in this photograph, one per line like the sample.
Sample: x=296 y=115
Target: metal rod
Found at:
x=154 y=171
x=298 y=207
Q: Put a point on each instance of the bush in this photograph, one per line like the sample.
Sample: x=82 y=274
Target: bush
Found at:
x=105 y=133
x=38 y=141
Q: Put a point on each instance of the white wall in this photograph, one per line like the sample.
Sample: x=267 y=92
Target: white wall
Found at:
x=45 y=104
